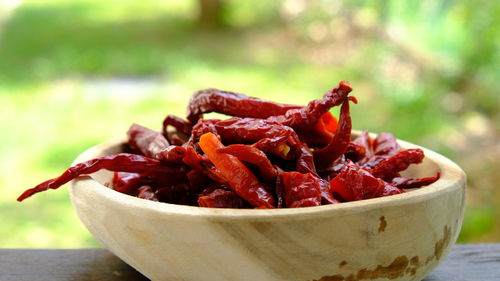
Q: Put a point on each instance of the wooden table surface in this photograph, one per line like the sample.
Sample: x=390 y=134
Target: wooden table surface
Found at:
x=466 y=262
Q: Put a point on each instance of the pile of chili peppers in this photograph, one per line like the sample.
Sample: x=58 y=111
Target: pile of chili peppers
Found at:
x=269 y=155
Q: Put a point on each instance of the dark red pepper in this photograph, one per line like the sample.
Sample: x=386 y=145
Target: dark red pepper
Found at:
x=401 y=182
x=181 y=126
x=304 y=120
x=148 y=142
x=122 y=162
x=229 y=103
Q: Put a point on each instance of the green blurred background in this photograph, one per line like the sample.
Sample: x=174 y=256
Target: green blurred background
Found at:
x=76 y=73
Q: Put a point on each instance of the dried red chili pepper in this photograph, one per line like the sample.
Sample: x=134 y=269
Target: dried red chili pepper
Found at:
x=122 y=162
x=390 y=167
x=401 y=182
x=234 y=104
x=180 y=125
x=148 y=142
x=338 y=145
x=237 y=176
x=304 y=120
x=301 y=190
x=252 y=155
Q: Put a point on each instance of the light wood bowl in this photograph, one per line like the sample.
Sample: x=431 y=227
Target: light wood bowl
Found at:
x=401 y=237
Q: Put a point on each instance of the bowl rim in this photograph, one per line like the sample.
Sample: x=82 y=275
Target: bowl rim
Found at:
x=452 y=177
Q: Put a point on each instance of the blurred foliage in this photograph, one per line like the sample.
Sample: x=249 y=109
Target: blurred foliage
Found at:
x=76 y=73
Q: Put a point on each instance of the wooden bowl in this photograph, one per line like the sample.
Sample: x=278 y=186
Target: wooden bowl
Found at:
x=401 y=237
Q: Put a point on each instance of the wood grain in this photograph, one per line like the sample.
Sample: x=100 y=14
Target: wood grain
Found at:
x=469 y=262
x=64 y=265
x=466 y=262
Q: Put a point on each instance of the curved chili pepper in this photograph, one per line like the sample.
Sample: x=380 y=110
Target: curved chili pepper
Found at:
x=340 y=142
x=145 y=140
x=304 y=120
x=301 y=190
x=237 y=176
x=390 y=167
x=400 y=182
x=122 y=162
x=229 y=103
x=180 y=125
x=252 y=155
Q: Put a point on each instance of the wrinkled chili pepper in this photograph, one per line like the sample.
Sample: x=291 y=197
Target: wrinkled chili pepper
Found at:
x=229 y=103
x=122 y=162
x=401 y=182
x=180 y=125
x=338 y=145
x=237 y=176
x=304 y=120
x=148 y=142
x=390 y=167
